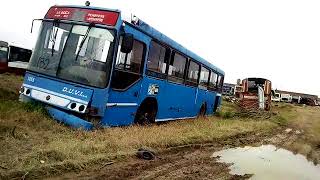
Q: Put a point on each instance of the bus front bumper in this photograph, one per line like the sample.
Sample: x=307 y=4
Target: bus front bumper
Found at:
x=69 y=119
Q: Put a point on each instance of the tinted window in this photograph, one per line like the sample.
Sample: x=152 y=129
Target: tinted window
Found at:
x=19 y=54
x=213 y=80
x=193 y=73
x=132 y=61
x=177 y=67
x=157 y=58
x=204 y=77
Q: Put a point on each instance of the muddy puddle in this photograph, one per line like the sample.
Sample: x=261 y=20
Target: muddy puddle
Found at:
x=268 y=162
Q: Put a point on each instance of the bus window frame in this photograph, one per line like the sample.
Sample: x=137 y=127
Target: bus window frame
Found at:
x=220 y=84
x=108 y=83
x=215 y=88
x=142 y=65
x=164 y=76
x=206 y=85
x=174 y=78
x=187 y=81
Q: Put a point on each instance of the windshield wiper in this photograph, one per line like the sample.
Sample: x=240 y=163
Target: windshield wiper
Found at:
x=55 y=26
x=83 y=40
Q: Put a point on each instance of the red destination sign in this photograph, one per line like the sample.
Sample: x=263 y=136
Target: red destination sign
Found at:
x=85 y=15
x=60 y=13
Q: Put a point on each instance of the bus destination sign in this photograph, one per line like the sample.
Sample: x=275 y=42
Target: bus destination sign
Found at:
x=85 y=15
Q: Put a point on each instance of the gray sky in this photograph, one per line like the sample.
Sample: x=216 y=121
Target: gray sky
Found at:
x=275 y=39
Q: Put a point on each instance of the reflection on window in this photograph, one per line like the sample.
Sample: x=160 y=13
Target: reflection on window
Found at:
x=157 y=58
x=213 y=80
x=132 y=61
x=49 y=47
x=128 y=67
x=176 y=68
x=85 y=56
x=204 y=77
x=220 y=81
x=193 y=73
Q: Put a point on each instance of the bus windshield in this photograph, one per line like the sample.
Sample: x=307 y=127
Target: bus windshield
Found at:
x=72 y=52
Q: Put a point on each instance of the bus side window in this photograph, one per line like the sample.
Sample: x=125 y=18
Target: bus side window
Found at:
x=177 y=68
x=128 y=67
x=131 y=62
x=220 y=82
x=193 y=74
x=204 y=78
x=157 y=60
x=213 y=81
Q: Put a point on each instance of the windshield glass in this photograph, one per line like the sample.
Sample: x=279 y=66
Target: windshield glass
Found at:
x=74 y=52
x=3 y=54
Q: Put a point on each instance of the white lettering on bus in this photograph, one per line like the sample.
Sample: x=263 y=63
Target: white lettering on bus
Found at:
x=74 y=91
x=63 y=12
x=95 y=17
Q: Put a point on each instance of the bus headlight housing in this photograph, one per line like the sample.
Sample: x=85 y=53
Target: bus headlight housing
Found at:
x=25 y=91
x=78 y=107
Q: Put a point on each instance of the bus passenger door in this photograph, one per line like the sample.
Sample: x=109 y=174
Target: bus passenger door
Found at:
x=126 y=81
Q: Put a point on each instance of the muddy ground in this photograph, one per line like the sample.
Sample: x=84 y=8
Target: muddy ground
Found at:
x=185 y=162
x=33 y=146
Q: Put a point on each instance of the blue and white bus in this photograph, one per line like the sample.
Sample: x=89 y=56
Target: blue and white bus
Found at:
x=91 y=68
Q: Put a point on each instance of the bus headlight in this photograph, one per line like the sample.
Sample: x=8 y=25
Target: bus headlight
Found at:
x=74 y=106
x=25 y=91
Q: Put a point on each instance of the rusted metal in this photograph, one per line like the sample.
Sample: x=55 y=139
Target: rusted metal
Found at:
x=255 y=93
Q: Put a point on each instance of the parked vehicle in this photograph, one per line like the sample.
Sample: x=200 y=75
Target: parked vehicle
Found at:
x=18 y=58
x=286 y=98
x=275 y=96
x=90 y=66
x=296 y=99
x=13 y=58
x=255 y=94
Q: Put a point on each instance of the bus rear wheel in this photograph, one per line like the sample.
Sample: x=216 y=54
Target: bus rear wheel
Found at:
x=146 y=113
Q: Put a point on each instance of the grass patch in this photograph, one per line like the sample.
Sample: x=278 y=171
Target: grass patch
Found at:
x=32 y=142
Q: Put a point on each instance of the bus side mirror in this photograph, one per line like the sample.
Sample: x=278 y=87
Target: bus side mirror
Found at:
x=127 y=43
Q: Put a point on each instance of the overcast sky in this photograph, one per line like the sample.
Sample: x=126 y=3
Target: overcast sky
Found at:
x=274 y=39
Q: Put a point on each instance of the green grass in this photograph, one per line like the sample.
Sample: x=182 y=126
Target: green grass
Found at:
x=32 y=142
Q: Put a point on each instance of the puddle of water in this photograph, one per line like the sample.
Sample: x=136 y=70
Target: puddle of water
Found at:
x=268 y=162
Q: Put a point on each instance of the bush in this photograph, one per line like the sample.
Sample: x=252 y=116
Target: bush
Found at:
x=228 y=115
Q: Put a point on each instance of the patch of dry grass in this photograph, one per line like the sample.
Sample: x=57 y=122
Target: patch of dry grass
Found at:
x=32 y=142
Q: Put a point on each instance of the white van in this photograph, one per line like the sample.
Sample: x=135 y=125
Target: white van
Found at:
x=286 y=98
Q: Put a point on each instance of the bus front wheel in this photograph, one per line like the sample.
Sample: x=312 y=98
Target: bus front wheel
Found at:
x=147 y=112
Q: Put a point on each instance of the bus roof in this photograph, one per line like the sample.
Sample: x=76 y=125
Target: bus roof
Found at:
x=159 y=36
x=165 y=39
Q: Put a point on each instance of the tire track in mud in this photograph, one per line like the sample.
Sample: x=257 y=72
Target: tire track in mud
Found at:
x=184 y=162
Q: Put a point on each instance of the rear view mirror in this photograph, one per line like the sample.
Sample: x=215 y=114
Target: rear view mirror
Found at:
x=37 y=25
x=127 y=43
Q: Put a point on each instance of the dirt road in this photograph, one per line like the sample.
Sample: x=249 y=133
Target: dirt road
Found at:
x=187 y=162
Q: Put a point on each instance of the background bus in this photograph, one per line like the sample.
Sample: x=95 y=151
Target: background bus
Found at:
x=13 y=59
x=18 y=58
x=90 y=66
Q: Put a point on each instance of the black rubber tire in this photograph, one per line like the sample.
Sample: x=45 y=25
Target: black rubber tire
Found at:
x=202 y=111
x=146 y=114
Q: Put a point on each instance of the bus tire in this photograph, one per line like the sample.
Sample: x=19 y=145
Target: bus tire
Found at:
x=202 y=111
x=147 y=112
